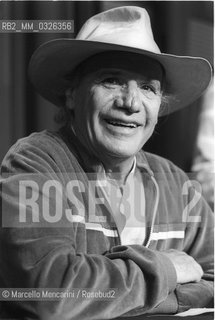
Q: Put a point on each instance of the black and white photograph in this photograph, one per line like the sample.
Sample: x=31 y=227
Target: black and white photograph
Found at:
x=107 y=160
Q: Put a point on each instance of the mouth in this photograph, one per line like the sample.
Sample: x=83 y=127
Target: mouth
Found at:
x=121 y=123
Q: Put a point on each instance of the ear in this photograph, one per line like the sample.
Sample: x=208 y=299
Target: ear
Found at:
x=70 y=98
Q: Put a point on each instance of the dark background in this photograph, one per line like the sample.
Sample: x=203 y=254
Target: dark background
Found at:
x=180 y=27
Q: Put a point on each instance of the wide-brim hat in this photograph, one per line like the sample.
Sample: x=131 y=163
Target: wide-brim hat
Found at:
x=126 y=29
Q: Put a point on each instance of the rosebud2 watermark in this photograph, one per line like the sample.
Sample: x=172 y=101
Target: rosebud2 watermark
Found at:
x=35 y=200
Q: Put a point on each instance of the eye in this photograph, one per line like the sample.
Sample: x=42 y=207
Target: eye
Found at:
x=147 y=88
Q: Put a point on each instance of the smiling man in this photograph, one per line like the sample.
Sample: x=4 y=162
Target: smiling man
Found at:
x=120 y=95
x=90 y=214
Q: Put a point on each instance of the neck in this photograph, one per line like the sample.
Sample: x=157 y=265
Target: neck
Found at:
x=118 y=169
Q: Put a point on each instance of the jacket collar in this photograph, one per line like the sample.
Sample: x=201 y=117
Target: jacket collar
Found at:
x=142 y=163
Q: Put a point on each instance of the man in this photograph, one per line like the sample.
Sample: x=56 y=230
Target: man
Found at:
x=87 y=210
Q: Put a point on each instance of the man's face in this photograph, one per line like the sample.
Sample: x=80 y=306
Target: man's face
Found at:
x=116 y=104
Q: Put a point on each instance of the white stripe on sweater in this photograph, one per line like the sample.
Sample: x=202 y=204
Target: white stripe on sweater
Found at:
x=98 y=227
x=93 y=226
x=167 y=235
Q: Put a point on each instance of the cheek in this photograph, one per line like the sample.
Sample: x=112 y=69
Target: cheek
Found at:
x=152 y=110
x=100 y=98
x=100 y=102
x=89 y=112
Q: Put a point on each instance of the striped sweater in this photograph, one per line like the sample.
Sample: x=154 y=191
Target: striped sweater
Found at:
x=58 y=235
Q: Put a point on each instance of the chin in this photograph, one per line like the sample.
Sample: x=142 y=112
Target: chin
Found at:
x=122 y=151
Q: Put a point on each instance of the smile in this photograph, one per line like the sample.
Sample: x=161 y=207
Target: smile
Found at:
x=119 y=123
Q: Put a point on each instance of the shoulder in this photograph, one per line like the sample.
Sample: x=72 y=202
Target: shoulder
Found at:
x=34 y=140
x=158 y=163
x=39 y=151
x=39 y=140
x=164 y=169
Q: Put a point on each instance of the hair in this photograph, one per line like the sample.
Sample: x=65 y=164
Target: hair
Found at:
x=165 y=103
x=64 y=114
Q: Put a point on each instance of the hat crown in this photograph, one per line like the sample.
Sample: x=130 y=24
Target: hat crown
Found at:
x=128 y=26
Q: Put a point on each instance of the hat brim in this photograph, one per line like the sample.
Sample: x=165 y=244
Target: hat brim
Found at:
x=186 y=77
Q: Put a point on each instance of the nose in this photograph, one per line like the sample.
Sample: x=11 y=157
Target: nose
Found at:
x=129 y=97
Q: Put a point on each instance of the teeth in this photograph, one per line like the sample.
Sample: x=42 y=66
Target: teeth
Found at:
x=122 y=124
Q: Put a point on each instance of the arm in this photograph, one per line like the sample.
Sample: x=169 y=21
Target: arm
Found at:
x=194 y=286
x=45 y=257
x=199 y=244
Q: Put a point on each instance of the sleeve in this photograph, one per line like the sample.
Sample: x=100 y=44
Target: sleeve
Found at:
x=34 y=254
x=198 y=243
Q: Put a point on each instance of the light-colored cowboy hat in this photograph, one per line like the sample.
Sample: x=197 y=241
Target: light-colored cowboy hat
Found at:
x=125 y=29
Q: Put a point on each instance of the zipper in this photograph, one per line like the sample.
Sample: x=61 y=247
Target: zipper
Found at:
x=157 y=197
x=154 y=209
